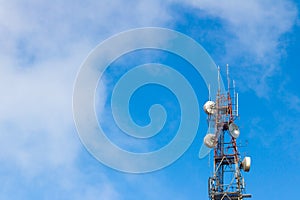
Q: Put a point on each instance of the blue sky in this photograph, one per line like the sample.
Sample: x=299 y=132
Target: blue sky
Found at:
x=43 y=45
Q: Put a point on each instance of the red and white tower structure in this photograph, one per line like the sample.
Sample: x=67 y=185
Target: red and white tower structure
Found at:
x=226 y=182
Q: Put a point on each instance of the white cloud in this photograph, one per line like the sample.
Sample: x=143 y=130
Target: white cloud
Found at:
x=255 y=30
x=42 y=47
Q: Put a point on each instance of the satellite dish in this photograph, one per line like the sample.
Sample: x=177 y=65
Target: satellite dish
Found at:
x=209 y=107
x=210 y=140
x=234 y=130
x=246 y=163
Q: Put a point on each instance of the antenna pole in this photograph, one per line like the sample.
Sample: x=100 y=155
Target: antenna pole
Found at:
x=219 y=90
x=209 y=97
x=228 y=81
x=234 y=97
x=237 y=104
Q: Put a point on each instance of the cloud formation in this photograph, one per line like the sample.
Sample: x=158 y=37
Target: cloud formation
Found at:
x=253 y=36
x=42 y=47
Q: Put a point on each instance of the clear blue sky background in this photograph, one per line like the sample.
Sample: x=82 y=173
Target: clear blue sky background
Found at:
x=43 y=44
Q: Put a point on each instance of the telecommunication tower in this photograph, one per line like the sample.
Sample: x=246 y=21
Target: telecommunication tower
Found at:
x=226 y=182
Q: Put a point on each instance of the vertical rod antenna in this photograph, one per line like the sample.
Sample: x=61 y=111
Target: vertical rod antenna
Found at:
x=209 y=159
x=209 y=97
x=237 y=104
x=219 y=79
x=227 y=73
x=234 y=96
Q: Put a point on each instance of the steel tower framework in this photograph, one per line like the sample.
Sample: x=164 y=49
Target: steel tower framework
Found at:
x=227 y=182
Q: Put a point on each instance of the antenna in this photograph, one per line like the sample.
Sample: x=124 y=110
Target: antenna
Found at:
x=226 y=181
x=209 y=97
x=235 y=101
x=228 y=81
x=219 y=80
x=237 y=104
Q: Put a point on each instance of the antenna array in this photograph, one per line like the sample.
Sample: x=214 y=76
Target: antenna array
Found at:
x=227 y=182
